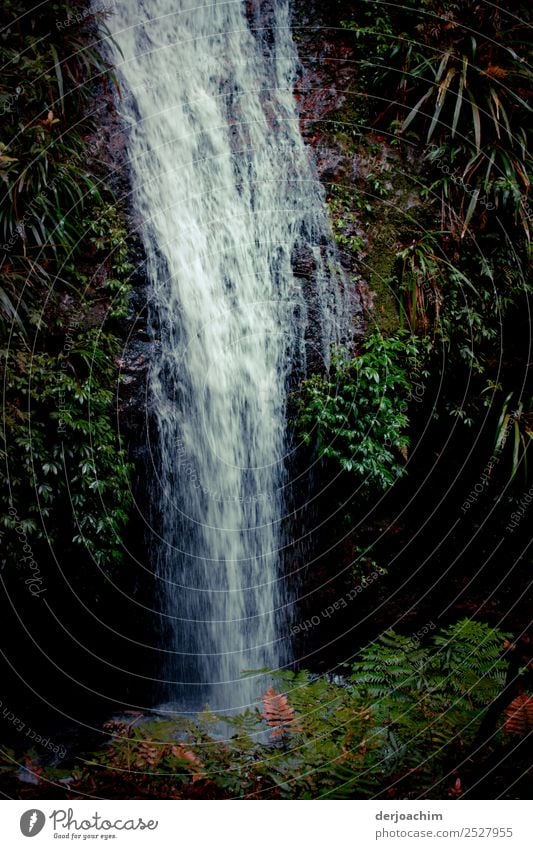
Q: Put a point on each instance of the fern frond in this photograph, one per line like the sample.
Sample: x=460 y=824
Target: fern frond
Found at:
x=278 y=713
x=519 y=715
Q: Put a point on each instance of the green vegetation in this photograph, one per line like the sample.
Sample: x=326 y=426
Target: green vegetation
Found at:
x=404 y=723
x=62 y=457
x=461 y=82
x=356 y=414
x=65 y=262
x=433 y=202
x=439 y=215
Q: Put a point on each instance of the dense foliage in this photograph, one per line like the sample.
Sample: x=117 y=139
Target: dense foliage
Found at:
x=65 y=269
x=462 y=85
x=457 y=116
x=461 y=79
x=432 y=200
x=356 y=414
x=404 y=723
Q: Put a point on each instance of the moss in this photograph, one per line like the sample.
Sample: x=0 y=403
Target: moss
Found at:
x=380 y=272
x=374 y=216
x=347 y=125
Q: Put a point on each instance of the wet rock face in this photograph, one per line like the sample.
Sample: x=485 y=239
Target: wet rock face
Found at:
x=369 y=182
x=330 y=162
x=327 y=73
x=110 y=140
x=132 y=397
x=328 y=69
x=326 y=81
x=260 y=14
x=132 y=390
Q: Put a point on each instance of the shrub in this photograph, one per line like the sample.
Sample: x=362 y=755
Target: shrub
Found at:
x=357 y=414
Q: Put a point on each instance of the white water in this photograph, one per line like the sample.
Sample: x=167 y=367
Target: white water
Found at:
x=226 y=193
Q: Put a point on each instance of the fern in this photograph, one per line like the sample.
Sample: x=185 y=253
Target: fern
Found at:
x=278 y=713
x=519 y=715
x=469 y=656
x=402 y=726
x=390 y=667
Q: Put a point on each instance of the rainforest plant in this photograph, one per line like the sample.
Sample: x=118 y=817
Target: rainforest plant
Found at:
x=356 y=415
x=64 y=465
x=401 y=724
x=47 y=159
x=459 y=114
x=462 y=82
x=65 y=258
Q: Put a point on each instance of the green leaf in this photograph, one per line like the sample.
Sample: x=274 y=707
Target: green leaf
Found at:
x=476 y=120
x=414 y=111
x=459 y=99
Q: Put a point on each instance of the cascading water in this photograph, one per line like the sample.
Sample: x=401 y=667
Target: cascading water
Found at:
x=227 y=196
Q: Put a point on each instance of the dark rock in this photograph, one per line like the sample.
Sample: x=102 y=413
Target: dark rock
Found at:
x=330 y=162
x=303 y=262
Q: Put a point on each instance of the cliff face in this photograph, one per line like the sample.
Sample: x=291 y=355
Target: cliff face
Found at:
x=371 y=184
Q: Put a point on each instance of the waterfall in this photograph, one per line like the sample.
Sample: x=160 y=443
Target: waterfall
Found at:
x=227 y=198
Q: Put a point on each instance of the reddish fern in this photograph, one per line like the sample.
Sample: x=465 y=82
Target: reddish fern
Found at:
x=519 y=715
x=278 y=713
x=194 y=763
